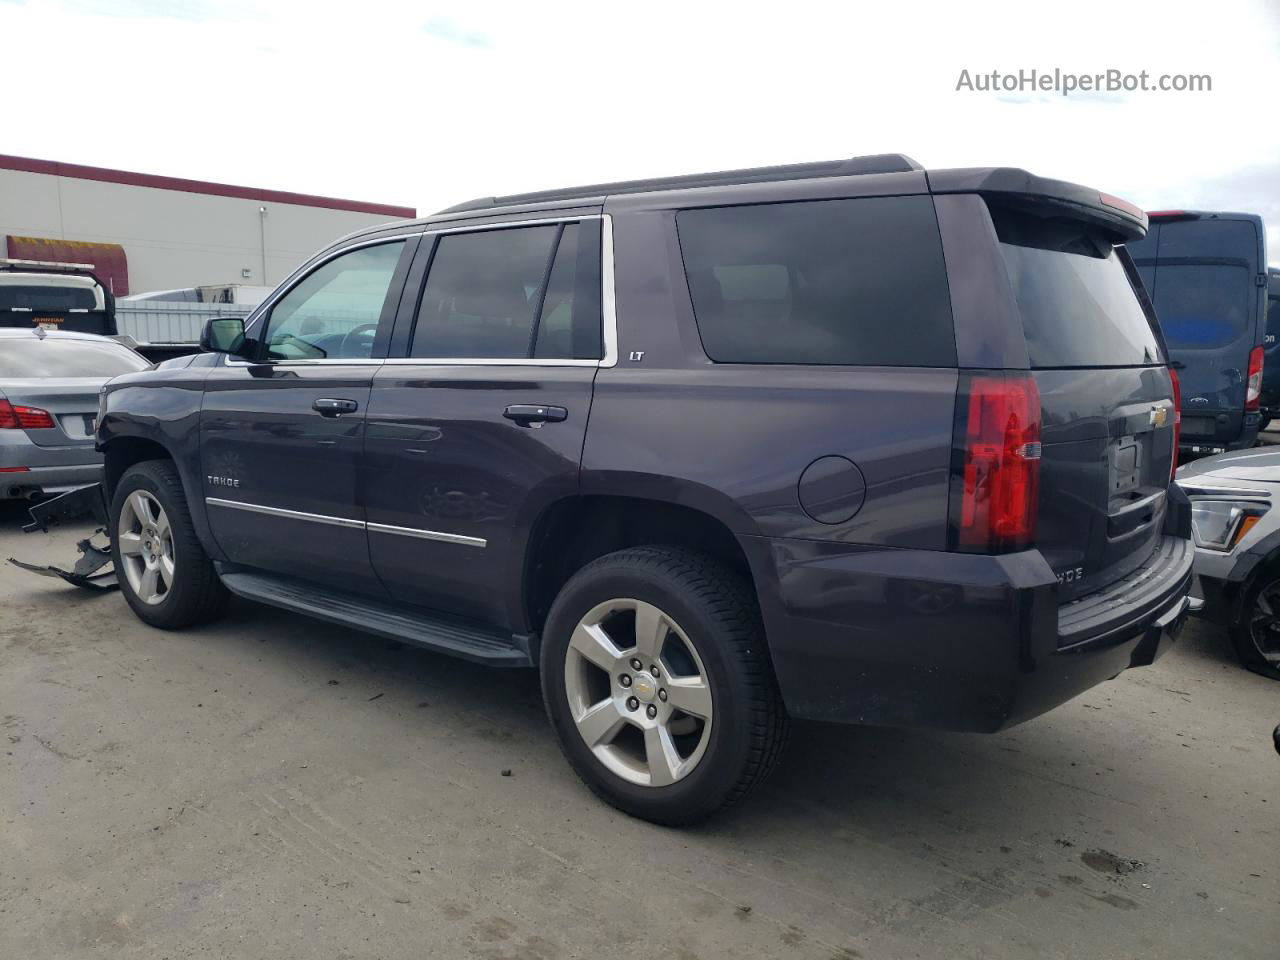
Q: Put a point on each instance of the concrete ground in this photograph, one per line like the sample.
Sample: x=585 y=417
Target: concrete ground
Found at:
x=272 y=787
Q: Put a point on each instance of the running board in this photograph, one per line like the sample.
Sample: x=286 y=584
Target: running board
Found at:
x=458 y=638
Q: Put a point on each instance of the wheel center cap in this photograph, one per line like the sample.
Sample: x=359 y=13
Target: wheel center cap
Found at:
x=644 y=687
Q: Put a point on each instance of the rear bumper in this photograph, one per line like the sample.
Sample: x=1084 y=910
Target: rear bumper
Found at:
x=51 y=469
x=1231 y=430
x=944 y=640
x=46 y=481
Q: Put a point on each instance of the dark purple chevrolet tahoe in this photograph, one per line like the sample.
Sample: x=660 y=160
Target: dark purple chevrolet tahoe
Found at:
x=849 y=441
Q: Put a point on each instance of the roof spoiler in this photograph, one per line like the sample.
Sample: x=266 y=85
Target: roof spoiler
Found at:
x=1120 y=220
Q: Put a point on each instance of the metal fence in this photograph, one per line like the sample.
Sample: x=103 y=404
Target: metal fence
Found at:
x=171 y=321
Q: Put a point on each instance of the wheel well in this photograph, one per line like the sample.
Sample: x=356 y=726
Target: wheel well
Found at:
x=122 y=453
x=573 y=532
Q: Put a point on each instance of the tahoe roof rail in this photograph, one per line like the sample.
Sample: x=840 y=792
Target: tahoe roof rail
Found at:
x=876 y=163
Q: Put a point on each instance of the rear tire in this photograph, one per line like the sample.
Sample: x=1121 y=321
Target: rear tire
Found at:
x=1257 y=634
x=164 y=573
x=694 y=628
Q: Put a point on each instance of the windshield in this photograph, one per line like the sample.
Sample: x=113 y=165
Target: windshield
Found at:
x=56 y=357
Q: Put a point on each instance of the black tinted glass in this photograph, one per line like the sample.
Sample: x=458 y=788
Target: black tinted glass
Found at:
x=1203 y=306
x=1215 y=240
x=1077 y=304
x=555 y=326
x=823 y=282
x=46 y=298
x=56 y=357
x=482 y=294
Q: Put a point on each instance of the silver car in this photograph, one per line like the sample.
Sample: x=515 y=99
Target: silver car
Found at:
x=1235 y=518
x=49 y=384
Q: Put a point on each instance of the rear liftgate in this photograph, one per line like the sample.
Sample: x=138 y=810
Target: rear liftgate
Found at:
x=88 y=571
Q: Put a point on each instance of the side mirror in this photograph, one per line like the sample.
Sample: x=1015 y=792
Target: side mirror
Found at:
x=223 y=335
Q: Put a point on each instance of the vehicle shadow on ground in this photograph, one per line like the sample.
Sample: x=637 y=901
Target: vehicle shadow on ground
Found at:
x=893 y=778
x=840 y=768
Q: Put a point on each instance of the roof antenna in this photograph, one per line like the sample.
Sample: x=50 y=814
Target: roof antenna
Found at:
x=40 y=332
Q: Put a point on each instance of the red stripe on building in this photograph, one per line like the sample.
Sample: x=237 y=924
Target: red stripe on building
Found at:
x=78 y=171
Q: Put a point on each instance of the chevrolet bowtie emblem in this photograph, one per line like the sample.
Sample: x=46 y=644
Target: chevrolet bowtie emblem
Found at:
x=1159 y=416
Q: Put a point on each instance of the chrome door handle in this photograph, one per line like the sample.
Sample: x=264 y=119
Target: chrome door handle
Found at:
x=334 y=406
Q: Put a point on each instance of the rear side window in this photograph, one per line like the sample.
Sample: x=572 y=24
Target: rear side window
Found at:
x=1078 y=307
x=56 y=357
x=513 y=294
x=857 y=282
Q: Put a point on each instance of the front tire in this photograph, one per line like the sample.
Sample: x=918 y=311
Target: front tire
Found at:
x=1257 y=635
x=164 y=573
x=658 y=683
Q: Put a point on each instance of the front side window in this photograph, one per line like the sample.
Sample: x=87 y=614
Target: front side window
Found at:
x=858 y=281
x=333 y=313
x=513 y=293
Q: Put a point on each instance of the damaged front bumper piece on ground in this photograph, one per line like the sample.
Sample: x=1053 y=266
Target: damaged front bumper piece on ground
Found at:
x=88 y=572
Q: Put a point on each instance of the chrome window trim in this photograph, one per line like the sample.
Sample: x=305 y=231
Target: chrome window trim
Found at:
x=608 y=308
x=608 y=305
x=288 y=514
x=421 y=534
x=417 y=532
x=486 y=362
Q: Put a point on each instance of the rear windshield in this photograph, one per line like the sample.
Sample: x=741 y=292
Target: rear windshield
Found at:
x=1199 y=274
x=1078 y=306
x=1202 y=306
x=55 y=357
x=30 y=297
x=858 y=282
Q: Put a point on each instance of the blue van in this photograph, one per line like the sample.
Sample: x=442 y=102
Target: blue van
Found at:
x=1206 y=276
x=1271 y=352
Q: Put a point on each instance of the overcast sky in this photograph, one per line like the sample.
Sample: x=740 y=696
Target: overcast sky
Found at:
x=426 y=104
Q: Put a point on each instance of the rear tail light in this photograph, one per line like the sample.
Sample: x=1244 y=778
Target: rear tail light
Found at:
x=23 y=418
x=995 y=463
x=1253 y=394
x=14 y=469
x=1177 y=419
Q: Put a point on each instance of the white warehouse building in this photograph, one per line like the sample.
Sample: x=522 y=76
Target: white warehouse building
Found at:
x=143 y=232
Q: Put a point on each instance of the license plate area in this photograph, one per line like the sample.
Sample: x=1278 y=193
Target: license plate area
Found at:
x=1198 y=426
x=1126 y=466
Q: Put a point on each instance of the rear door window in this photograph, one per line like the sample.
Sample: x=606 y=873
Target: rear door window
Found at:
x=856 y=282
x=1078 y=306
x=512 y=294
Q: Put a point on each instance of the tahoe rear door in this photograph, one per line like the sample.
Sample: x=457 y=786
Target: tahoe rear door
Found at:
x=1106 y=399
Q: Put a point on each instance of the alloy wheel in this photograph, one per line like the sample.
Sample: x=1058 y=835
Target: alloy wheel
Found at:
x=145 y=540
x=638 y=692
x=1264 y=623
